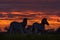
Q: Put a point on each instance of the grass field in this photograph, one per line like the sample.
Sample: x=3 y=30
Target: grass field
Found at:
x=29 y=37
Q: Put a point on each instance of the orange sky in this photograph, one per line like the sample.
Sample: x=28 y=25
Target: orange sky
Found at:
x=34 y=10
x=7 y=17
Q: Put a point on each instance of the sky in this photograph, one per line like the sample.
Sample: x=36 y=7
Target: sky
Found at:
x=34 y=10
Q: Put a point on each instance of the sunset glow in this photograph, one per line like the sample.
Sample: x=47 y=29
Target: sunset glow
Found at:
x=32 y=16
x=34 y=10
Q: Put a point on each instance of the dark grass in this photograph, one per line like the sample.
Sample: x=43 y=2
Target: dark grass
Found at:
x=29 y=37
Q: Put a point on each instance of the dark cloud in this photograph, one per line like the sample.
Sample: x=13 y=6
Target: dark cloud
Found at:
x=47 y=6
x=16 y=16
x=1 y=16
x=38 y=5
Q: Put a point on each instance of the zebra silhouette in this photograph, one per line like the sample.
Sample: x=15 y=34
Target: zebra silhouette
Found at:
x=16 y=27
x=39 y=27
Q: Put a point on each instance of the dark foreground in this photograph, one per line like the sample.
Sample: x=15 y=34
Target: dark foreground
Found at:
x=29 y=36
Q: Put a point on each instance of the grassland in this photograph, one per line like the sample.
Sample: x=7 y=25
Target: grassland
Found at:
x=29 y=37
